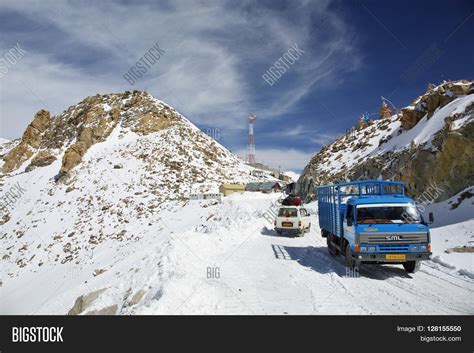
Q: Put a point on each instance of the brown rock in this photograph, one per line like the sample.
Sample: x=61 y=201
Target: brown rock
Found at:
x=42 y=159
x=109 y=310
x=410 y=117
x=84 y=301
x=149 y=123
x=31 y=140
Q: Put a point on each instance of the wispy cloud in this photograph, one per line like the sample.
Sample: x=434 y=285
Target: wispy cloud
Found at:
x=301 y=131
x=285 y=159
x=216 y=53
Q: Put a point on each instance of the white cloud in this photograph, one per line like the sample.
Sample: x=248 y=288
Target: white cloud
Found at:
x=300 y=131
x=208 y=72
x=285 y=159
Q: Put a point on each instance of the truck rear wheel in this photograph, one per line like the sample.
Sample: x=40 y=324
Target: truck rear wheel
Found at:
x=350 y=261
x=331 y=248
x=412 y=266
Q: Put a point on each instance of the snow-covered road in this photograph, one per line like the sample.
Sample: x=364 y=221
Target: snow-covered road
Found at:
x=224 y=258
x=251 y=270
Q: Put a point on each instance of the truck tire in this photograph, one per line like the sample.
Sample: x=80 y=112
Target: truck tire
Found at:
x=331 y=248
x=279 y=232
x=350 y=261
x=412 y=266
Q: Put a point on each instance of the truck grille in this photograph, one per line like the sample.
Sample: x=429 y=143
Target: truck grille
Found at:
x=393 y=248
x=389 y=239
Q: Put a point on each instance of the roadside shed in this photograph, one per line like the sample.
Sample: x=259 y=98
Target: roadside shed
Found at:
x=228 y=189
x=265 y=187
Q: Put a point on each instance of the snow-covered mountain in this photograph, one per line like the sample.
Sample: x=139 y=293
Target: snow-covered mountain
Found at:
x=96 y=221
x=429 y=142
x=97 y=173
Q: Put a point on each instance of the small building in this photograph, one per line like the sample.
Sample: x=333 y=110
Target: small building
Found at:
x=284 y=178
x=265 y=187
x=213 y=196
x=206 y=196
x=228 y=189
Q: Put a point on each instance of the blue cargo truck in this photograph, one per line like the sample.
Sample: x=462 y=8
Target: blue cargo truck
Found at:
x=373 y=221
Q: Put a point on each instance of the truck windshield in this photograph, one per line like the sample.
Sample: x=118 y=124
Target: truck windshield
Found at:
x=288 y=212
x=384 y=214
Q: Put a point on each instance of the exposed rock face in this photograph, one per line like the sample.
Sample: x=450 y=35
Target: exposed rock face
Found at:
x=91 y=121
x=108 y=310
x=32 y=139
x=432 y=100
x=85 y=301
x=41 y=159
x=446 y=159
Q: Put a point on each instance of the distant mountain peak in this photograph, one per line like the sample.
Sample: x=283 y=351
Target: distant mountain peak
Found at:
x=429 y=141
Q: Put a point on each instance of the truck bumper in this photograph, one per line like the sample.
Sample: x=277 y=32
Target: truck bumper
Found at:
x=381 y=258
x=289 y=230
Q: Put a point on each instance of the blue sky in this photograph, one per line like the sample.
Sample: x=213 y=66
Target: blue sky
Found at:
x=216 y=53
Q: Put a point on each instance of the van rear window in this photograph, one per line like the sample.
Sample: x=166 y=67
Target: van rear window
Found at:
x=288 y=212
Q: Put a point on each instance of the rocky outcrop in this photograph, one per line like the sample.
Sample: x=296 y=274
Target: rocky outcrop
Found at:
x=446 y=161
x=108 y=310
x=84 y=301
x=31 y=140
x=91 y=121
x=153 y=122
x=41 y=159
x=433 y=99
x=95 y=127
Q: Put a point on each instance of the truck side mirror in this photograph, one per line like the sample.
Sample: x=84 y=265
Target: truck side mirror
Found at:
x=431 y=217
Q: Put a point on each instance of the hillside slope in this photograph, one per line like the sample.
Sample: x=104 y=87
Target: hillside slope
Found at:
x=430 y=142
x=101 y=172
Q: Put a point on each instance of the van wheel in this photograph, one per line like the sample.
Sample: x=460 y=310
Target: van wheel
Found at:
x=331 y=248
x=350 y=261
x=412 y=266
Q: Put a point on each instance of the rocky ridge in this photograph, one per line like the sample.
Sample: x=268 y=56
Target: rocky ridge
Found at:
x=429 y=142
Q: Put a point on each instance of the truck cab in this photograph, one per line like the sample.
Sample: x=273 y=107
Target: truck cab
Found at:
x=373 y=222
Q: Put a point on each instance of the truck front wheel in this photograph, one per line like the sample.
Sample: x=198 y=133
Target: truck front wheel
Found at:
x=350 y=261
x=412 y=266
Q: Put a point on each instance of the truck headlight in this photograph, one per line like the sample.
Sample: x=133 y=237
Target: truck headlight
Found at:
x=372 y=248
x=363 y=248
x=423 y=247
x=415 y=248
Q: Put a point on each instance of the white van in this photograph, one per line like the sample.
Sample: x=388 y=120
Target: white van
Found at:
x=292 y=219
